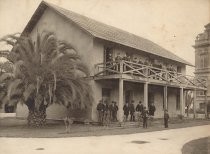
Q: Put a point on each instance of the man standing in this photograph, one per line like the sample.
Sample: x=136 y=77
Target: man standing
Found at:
x=126 y=110
x=114 y=111
x=106 y=112
x=145 y=117
x=118 y=59
x=139 y=109
x=100 y=109
x=152 y=110
x=166 y=117
x=132 y=110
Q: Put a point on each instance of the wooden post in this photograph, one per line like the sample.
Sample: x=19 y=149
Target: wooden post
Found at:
x=120 y=106
x=182 y=101
x=206 y=105
x=121 y=66
x=165 y=97
x=146 y=95
x=194 y=103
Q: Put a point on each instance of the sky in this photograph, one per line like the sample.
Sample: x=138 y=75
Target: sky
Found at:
x=173 y=24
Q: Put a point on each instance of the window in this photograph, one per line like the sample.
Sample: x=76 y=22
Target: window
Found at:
x=202 y=106
x=108 y=54
x=204 y=59
x=200 y=93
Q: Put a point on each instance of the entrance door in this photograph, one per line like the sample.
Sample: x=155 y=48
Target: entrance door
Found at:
x=150 y=98
x=128 y=96
x=106 y=94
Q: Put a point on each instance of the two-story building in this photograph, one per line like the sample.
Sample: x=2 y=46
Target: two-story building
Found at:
x=123 y=66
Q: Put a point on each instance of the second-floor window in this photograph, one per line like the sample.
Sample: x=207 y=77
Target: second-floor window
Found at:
x=204 y=60
x=108 y=54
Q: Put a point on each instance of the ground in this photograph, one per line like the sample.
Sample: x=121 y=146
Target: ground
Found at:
x=163 y=142
x=17 y=128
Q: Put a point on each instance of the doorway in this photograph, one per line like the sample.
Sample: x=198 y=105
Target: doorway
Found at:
x=128 y=96
x=150 y=98
x=106 y=93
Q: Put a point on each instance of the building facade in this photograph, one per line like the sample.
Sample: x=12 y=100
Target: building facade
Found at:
x=202 y=66
x=123 y=66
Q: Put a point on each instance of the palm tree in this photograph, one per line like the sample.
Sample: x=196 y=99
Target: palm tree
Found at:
x=46 y=71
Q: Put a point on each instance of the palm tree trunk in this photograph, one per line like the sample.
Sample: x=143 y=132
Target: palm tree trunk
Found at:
x=36 y=118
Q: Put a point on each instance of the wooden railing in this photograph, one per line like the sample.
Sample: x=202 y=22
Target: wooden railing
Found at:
x=148 y=72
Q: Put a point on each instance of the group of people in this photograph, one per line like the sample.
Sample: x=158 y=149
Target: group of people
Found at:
x=138 y=112
x=107 y=112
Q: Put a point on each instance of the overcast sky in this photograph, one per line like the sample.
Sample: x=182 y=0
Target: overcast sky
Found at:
x=173 y=24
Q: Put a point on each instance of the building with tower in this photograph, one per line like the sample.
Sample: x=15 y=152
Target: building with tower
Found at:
x=202 y=67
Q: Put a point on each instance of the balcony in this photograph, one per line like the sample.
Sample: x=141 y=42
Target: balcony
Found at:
x=147 y=73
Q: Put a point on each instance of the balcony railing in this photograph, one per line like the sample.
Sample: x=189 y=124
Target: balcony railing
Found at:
x=147 y=72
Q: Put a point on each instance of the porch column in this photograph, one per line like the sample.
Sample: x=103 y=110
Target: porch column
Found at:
x=165 y=97
x=206 y=105
x=194 y=103
x=146 y=95
x=120 y=106
x=182 y=101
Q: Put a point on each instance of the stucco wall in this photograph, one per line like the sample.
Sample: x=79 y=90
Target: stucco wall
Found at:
x=68 y=31
x=97 y=88
x=22 y=110
x=158 y=96
x=172 y=98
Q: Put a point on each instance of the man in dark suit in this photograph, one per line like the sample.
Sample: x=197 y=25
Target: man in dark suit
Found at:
x=106 y=112
x=139 y=109
x=166 y=117
x=126 y=110
x=152 y=109
x=115 y=109
x=145 y=117
x=132 y=110
x=100 y=109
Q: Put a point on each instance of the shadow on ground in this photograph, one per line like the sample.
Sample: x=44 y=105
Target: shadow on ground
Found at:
x=140 y=142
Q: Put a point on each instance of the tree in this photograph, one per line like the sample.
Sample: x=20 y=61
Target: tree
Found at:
x=189 y=100
x=46 y=71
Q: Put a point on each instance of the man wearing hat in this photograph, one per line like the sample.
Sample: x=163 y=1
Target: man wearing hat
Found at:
x=145 y=115
x=166 y=117
x=100 y=109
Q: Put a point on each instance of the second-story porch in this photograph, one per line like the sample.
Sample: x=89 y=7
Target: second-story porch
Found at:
x=144 y=73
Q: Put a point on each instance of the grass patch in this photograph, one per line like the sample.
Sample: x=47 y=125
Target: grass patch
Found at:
x=18 y=128
x=199 y=146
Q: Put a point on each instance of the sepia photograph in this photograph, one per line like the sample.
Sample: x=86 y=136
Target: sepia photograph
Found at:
x=98 y=77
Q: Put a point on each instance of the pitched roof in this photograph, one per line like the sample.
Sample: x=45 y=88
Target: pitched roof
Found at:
x=106 y=32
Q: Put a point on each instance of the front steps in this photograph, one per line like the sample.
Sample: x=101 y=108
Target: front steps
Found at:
x=129 y=124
